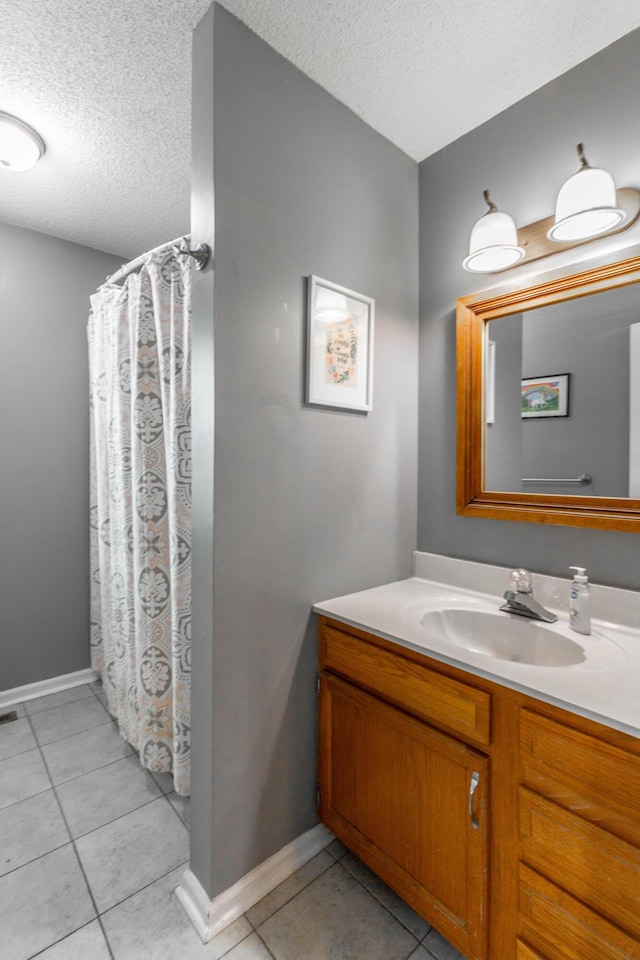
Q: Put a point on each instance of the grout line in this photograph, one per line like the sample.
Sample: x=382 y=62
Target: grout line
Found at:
x=106 y=938
x=375 y=897
x=77 y=855
x=417 y=943
x=255 y=930
x=166 y=796
x=72 y=841
x=179 y=866
x=293 y=895
x=35 y=713
x=73 y=844
x=93 y=899
x=266 y=945
x=36 y=794
x=154 y=773
x=227 y=952
x=61 y=940
x=335 y=857
x=103 y=766
x=120 y=816
x=75 y=733
x=40 y=855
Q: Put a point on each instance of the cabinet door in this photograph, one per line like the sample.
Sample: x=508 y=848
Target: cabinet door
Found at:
x=412 y=803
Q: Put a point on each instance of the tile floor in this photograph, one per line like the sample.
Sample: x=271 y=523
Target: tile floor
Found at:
x=92 y=847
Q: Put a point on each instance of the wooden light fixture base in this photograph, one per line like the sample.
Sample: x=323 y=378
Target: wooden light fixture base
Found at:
x=533 y=237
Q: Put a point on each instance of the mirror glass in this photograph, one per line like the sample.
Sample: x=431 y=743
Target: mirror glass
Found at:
x=562 y=382
x=548 y=395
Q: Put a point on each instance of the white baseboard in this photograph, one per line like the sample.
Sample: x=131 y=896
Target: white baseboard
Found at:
x=42 y=687
x=209 y=917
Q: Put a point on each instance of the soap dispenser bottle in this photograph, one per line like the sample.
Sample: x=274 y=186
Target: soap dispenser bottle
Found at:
x=580 y=602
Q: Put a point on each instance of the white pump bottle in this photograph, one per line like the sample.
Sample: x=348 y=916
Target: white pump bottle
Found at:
x=580 y=602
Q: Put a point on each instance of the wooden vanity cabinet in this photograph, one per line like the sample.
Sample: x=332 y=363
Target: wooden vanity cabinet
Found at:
x=579 y=827
x=407 y=796
x=545 y=862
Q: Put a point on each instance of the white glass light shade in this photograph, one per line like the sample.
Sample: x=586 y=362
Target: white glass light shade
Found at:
x=493 y=244
x=20 y=146
x=330 y=307
x=586 y=207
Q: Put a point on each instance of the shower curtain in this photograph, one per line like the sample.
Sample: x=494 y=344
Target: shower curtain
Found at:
x=140 y=401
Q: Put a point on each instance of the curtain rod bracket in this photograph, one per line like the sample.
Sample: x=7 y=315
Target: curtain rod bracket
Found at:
x=200 y=254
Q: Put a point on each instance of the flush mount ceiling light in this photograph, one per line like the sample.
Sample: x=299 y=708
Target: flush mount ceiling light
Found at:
x=20 y=146
x=587 y=205
x=493 y=244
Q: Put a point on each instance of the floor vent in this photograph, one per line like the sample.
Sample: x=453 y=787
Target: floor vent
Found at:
x=8 y=717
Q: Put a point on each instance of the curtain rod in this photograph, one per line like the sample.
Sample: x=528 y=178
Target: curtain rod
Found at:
x=200 y=254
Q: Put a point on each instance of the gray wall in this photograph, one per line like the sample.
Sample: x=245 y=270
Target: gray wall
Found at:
x=503 y=437
x=44 y=464
x=589 y=339
x=523 y=155
x=309 y=503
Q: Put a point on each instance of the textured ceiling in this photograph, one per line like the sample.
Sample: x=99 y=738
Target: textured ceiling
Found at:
x=107 y=85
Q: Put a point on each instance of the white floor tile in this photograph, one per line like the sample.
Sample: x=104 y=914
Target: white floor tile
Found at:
x=153 y=924
x=83 y=752
x=164 y=781
x=16 y=737
x=61 y=722
x=289 y=888
x=254 y=949
x=440 y=948
x=182 y=806
x=421 y=954
x=18 y=708
x=105 y=794
x=38 y=704
x=88 y=943
x=336 y=918
x=387 y=897
x=22 y=776
x=30 y=829
x=126 y=855
x=41 y=903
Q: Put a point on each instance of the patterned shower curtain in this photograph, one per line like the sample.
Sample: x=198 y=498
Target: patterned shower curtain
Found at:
x=140 y=373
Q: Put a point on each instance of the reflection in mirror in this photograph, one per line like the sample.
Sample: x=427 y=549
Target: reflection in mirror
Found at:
x=549 y=396
x=531 y=443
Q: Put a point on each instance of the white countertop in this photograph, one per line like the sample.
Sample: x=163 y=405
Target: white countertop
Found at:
x=604 y=687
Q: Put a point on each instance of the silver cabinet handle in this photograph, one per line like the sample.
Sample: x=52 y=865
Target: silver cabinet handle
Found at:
x=473 y=785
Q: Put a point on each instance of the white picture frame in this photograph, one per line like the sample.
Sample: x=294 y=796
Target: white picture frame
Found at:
x=340 y=331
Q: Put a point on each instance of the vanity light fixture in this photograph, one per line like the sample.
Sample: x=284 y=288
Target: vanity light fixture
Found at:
x=493 y=244
x=20 y=146
x=587 y=205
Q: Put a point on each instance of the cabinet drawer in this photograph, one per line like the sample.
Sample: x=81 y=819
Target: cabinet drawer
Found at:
x=448 y=704
x=562 y=928
x=597 y=868
x=584 y=774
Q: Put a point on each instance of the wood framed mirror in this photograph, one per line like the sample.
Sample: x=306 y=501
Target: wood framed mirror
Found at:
x=559 y=449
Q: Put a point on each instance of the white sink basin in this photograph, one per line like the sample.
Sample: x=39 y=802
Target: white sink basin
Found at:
x=519 y=640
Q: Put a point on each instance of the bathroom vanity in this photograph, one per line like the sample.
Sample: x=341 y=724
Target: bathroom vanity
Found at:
x=498 y=797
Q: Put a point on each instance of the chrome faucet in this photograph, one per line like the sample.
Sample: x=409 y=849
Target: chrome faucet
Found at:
x=519 y=599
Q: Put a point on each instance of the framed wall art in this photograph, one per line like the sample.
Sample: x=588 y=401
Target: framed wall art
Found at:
x=545 y=396
x=339 y=346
